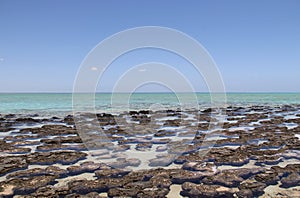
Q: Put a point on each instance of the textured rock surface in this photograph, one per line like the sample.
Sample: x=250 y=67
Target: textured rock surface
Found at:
x=256 y=153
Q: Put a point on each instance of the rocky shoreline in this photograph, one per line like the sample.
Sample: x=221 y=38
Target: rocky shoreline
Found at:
x=255 y=154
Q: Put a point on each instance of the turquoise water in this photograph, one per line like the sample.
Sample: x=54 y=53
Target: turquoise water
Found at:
x=43 y=103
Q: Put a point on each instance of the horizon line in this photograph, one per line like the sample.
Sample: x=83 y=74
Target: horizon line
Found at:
x=155 y=92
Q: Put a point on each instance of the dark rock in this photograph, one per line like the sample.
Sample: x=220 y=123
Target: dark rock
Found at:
x=27 y=120
x=28 y=185
x=143 y=146
x=100 y=185
x=50 y=170
x=123 y=192
x=161 y=141
x=291 y=180
x=257 y=188
x=174 y=123
x=202 y=190
x=61 y=157
x=199 y=166
x=161 y=180
x=12 y=163
x=69 y=120
x=225 y=178
x=11 y=148
x=49 y=191
x=179 y=176
x=269 y=178
x=48 y=130
x=153 y=192
x=111 y=173
x=84 y=167
x=227 y=156
x=165 y=133
x=121 y=148
x=61 y=140
x=245 y=193
x=54 y=147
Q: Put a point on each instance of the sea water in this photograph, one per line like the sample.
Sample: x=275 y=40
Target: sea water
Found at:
x=61 y=103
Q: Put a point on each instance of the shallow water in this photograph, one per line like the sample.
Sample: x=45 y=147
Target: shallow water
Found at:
x=61 y=103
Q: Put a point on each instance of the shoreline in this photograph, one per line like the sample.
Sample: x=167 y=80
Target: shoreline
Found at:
x=248 y=156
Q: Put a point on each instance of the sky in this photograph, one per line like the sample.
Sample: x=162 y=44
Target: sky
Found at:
x=255 y=44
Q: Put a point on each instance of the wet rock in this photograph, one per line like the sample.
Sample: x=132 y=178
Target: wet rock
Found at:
x=89 y=195
x=245 y=193
x=269 y=178
x=54 y=170
x=227 y=156
x=84 y=186
x=161 y=141
x=61 y=140
x=144 y=119
x=54 y=147
x=199 y=166
x=268 y=160
x=121 y=148
x=27 y=173
x=12 y=163
x=11 y=148
x=172 y=123
x=46 y=191
x=111 y=173
x=291 y=180
x=202 y=190
x=19 y=137
x=165 y=133
x=180 y=176
x=285 y=171
x=153 y=192
x=106 y=119
x=85 y=167
x=10 y=115
x=25 y=143
x=69 y=120
x=4 y=128
x=225 y=178
x=61 y=157
x=143 y=146
x=50 y=170
x=27 y=120
x=123 y=192
x=48 y=130
x=28 y=185
x=257 y=188
x=161 y=180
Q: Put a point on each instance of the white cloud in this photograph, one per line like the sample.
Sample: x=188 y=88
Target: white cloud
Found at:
x=1 y=59
x=142 y=70
x=94 y=68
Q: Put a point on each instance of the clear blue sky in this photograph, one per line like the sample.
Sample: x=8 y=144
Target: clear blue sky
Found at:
x=256 y=44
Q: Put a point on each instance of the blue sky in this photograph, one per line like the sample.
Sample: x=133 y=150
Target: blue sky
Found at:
x=255 y=44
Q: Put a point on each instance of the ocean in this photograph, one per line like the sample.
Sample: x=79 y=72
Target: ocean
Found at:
x=61 y=103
